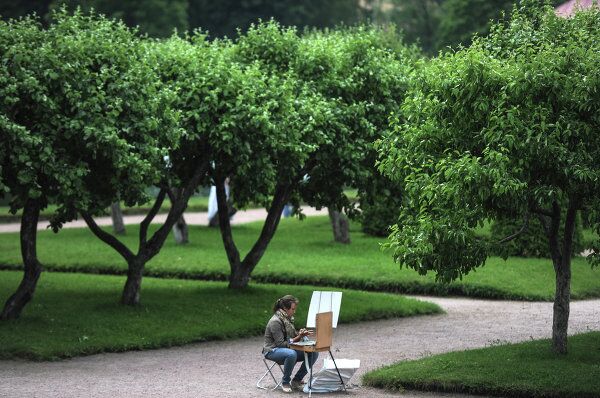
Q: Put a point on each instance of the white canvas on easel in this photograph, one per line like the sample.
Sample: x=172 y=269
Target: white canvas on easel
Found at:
x=324 y=302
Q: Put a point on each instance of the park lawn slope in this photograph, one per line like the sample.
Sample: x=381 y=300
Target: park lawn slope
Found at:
x=517 y=370
x=79 y=314
x=302 y=252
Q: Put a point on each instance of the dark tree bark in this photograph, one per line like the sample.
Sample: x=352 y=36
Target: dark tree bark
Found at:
x=117 y=218
x=561 y=260
x=148 y=248
x=340 y=226
x=32 y=267
x=181 y=232
x=242 y=269
x=133 y=285
x=180 y=229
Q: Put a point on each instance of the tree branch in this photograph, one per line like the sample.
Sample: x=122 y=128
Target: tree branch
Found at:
x=177 y=209
x=108 y=238
x=233 y=254
x=150 y=216
x=552 y=231
x=534 y=208
x=570 y=219
x=523 y=229
x=269 y=227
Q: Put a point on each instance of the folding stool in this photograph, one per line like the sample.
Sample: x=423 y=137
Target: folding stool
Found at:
x=269 y=372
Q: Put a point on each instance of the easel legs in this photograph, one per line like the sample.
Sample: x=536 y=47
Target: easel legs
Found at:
x=309 y=369
x=337 y=370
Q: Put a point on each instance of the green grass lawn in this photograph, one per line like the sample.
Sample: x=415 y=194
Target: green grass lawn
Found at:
x=79 y=314
x=195 y=204
x=517 y=370
x=303 y=252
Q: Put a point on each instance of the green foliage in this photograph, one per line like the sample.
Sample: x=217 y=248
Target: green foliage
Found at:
x=526 y=370
x=84 y=118
x=78 y=315
x=364 y=74
x=532 y=243
x=301 y=253
x=380 y=204
x=505 y=127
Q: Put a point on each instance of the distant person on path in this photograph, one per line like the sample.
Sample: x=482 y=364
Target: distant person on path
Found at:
x=279 y=334
x=213 y=207
x=288 y=210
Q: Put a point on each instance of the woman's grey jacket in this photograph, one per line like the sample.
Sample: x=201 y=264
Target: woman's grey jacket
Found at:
x=278 y=333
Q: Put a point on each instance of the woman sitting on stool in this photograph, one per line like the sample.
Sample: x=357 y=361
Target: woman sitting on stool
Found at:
x=279 y=334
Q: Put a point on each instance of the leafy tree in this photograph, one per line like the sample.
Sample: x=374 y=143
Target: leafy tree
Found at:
x=365 y=71
x=334 y=122
x=507 y=127
x=79 y=115
x=183 y=68
x=380 y=202
x=263 y=140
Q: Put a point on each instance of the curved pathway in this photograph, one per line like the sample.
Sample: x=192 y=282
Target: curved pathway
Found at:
x=231 y=368
x=193 y=218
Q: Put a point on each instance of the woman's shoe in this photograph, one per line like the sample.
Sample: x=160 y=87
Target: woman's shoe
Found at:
x=298 y=384
x=286 y=387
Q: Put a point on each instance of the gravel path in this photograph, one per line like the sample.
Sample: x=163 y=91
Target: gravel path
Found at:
x=199 y=218
x=231 y=368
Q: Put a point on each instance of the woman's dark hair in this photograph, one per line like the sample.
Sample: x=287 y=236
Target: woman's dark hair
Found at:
x=285 y=302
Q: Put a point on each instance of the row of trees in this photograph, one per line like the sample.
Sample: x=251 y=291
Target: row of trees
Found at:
x=505 y=128
x=91 y=114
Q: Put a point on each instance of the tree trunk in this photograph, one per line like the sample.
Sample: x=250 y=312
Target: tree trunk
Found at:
x=241 y=270
x=32 y=267
x=133 y=285
x=340 y=226
x=562 y=269
x=239 y=277
x=180 y=231
x=562 y=298
x=117 y=218
x=561 y=260
x=148 y=248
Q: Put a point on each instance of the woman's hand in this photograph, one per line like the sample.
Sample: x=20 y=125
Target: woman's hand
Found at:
x=305 y=332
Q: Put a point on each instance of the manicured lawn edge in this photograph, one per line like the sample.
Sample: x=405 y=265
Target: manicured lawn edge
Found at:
x=527 y=370
x=78 y=314
x=424 y=287
x=409 y=287
x=302 y=253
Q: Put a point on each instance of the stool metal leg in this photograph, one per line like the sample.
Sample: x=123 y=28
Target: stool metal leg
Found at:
x=269 y=372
